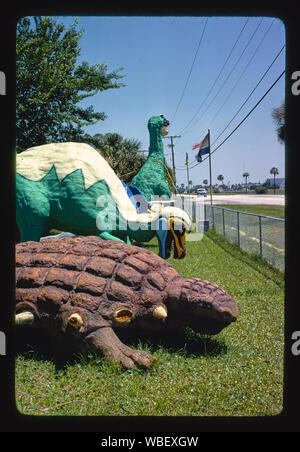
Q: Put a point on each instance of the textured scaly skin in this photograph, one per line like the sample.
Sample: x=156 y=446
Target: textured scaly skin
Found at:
x=111 y=285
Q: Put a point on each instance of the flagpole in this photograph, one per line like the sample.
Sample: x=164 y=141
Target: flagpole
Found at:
x=210 y=183
x=210 y=168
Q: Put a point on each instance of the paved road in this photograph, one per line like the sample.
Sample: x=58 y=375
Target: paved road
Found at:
x=278 y=200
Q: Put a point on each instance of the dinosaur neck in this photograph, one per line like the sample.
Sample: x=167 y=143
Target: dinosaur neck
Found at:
x=156 y=149
x=150 y=180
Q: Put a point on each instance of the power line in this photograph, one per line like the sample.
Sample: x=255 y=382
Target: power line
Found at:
x=188 y=77
x=246 y=67
x=244 y=119
x=213 y=85
x=230 y=73
x=256 y=86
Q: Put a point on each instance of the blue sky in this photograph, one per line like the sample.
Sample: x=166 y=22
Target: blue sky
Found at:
x=158 y=53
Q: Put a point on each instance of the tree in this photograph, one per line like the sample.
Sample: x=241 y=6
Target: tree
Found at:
x=205 y=182
x=278 y=115
x=50 y=84
x=220 y=177
x=246 y=175
x=122 y=154
x=274 y=171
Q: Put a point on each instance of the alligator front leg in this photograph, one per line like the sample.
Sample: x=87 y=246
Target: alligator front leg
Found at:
x=106 y=341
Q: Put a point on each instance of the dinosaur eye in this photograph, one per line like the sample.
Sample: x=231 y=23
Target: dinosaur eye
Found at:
x=123 y=315
x=179 y=226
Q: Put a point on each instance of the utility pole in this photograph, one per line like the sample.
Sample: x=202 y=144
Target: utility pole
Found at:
x=187 y=170
x=210 y=180
x=172 y=148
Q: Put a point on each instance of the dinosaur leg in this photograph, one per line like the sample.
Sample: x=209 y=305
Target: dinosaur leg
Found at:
x=106 y=341
x=31 y=230
x=107 y=236
x=32 y=214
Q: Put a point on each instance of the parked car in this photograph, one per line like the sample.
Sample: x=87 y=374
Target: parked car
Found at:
x=201 y=192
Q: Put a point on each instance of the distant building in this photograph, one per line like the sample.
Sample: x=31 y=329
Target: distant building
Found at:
x=280 y=181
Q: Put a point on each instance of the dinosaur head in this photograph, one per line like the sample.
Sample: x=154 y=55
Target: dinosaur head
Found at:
x=199 y=304
x=158 y=122
x=173 y=226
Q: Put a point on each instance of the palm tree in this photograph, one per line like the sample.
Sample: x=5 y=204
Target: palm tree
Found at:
x=220 y=177
x=278 y=115
x=122 y=154
x=246 y=175
x=274 y=171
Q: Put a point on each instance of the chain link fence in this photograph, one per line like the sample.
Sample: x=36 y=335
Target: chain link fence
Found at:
x=254 y=233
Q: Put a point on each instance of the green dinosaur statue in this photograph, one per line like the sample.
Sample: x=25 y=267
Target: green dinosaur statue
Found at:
x=71 y=187
x=150 y=180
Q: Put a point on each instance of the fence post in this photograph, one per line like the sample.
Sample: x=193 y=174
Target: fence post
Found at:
x=206 y=217
x=223 y=216
x=194 y=210
x=238 y=229
x=260 y=238
x=212 y=216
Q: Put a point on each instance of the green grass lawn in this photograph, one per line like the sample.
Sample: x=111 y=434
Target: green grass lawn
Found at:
x=270 y=210
x=272 y=230
x=239 y=372
x=270 y=191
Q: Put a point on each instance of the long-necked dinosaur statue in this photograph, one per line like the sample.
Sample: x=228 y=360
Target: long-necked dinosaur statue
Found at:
x=150 y=180
x=71 y=187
